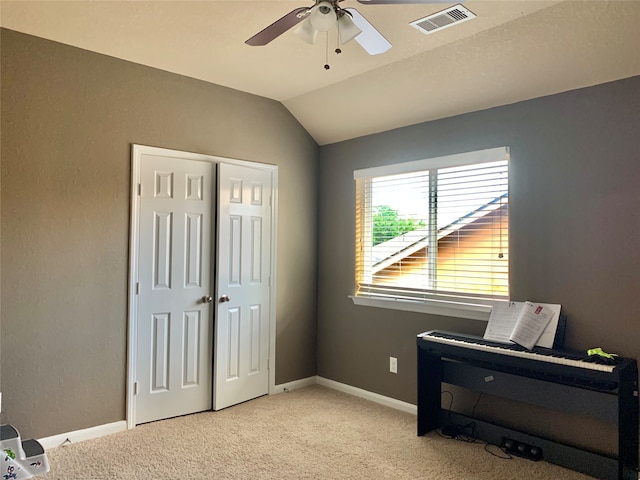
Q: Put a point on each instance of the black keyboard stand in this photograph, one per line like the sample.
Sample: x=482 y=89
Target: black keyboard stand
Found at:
x=491 y=373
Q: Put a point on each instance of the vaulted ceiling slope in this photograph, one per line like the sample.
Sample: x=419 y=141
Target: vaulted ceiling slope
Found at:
x=514 y=50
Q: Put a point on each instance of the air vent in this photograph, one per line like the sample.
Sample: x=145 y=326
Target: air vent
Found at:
x=443 y=19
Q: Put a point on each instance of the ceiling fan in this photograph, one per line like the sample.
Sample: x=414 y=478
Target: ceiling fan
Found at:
x=325 y=15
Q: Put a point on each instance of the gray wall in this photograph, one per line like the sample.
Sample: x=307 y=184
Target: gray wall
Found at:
x=69 y=118
x=574 y=231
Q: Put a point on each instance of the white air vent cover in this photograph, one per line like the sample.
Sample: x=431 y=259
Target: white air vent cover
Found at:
x=443 y=19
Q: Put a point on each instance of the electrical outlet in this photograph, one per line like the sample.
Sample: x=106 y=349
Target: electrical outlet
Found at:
x=393 y=364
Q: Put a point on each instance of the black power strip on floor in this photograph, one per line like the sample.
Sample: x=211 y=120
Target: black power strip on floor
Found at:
x=521 y=449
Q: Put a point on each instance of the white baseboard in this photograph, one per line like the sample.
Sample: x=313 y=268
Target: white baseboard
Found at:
x=81 y=435
x=367 y=395
x=342 y=387
x=109 y=428
x=286 y=387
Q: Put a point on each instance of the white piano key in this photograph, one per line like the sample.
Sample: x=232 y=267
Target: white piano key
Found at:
x=520 y=353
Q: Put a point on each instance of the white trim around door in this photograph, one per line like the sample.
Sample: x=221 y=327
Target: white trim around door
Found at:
x=136 y=154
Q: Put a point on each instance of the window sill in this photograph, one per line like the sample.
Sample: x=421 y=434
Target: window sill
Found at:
x=434 y=307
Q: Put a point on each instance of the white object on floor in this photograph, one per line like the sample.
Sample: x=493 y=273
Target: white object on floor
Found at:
x=20 y=459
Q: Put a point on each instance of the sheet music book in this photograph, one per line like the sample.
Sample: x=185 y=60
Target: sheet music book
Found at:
x=531 y=322
x=504 y=317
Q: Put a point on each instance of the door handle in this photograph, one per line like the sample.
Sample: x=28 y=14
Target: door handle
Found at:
x=224 y=298
x=207 y=299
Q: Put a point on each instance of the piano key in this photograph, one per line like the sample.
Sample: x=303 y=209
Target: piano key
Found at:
x=549 y=356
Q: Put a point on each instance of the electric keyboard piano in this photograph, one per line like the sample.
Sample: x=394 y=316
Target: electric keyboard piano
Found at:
x=554 y=379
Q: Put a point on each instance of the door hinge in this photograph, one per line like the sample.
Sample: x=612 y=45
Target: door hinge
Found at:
x=137 y=288
x=139 y=189
x=135 y=388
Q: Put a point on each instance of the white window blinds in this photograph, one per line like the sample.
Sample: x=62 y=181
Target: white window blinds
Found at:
x=434 y=229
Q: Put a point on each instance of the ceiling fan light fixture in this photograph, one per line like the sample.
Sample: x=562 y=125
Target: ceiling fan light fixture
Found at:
x=347 y=29
x=307 y=32
x=323 y=17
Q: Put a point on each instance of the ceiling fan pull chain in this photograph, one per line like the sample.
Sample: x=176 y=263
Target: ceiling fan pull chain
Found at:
x=326 y=54
x=338 y=50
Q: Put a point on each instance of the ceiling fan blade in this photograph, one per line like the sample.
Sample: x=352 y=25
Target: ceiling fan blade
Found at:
x=370 y=39
x=387 y=2
x=278 y=27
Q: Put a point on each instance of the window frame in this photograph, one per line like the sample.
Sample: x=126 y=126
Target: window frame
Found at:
x=461 y=306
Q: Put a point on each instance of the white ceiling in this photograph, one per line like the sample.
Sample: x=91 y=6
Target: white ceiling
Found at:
x=513 y=50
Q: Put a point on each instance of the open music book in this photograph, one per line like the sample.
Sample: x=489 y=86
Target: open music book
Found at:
x=525 y=323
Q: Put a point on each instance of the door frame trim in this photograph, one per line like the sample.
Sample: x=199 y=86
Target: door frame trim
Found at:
x=132 y=321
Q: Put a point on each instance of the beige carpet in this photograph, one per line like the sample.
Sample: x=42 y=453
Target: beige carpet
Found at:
x=310 y=433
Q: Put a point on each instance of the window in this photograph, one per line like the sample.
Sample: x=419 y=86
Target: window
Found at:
x=434 y=233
